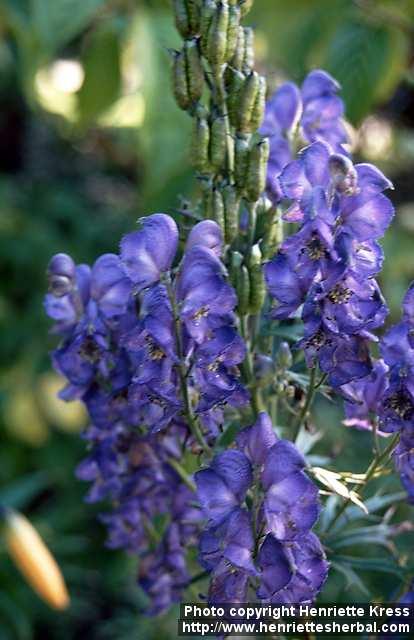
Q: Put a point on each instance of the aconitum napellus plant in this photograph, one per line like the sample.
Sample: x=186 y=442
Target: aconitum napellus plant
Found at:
x=198 y=408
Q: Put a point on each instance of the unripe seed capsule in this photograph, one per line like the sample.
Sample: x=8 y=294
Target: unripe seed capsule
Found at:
x=231 y=213
x=218 y=209
x=217 y=35
x=193 y=12
x=245 y=6
x=179 y=77
x=273 y=235
x=194 y=69
x=238 y=58
x=256 y=171
x=248 y=55
x=248 y=95
x=241 y=159
x=259 y=105
x=243 y=290
x=208 y=203
x=218 y=143
x=257 y=285
x=181 y=17
x=232 y=31
x=200 y=145
x=235 y=80
x=207 y=12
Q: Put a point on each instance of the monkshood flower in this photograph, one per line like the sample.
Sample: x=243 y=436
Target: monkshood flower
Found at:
x=327 y=268
x=316 y=110
x=260 y=507
x=363 y=397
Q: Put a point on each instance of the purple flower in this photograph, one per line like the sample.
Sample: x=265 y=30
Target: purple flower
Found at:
x=363 y=397
x=149 y=252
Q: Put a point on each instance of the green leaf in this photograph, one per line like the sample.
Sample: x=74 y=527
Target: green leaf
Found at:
x=358 y=58
x=375 y=534
x=352 y=578
x=102 y=82
x=376 y=503
x=58 y=21
x=371 y=564
x=19 y=493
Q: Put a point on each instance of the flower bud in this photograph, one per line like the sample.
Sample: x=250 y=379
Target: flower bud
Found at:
x=243 y=289
x=241 y=158
x=231 y=213
x=217 y=35
x=232 y=31
x=248 y=94
x=237 y=60
x=248 y=53
x=257 y=284
x=187 y=18
x=263 y=369
x=218 y=208
x=61 y=274
x=200 y=145
x=34 y=560
x=194 y=70
x=284 y=356
x=245 y=6
x=179 y=79
x=256 y=171
x=343 y=174
x=218 y=137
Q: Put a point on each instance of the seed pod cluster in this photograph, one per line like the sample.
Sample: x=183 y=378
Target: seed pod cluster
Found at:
x=188 y=75
x=187 y=17
x=250 y=100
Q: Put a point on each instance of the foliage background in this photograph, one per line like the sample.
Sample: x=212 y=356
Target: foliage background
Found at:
x=90 y=139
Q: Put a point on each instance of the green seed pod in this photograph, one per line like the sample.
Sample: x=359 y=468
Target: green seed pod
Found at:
x=193 y=12
x=231 y=213
x=256 y=170
x=208 y=201
x=247 y=100
x=200 y=145
x=207 y=11
x=232 y=31
x=248 y=55
x=238 y=58
x=284 y=356
x=236 y=260
x=257 y=285
x=235 y=80
x=245 y=6
x=194 y=69
x=218 y=143
x=273 y=234
x=241 y=159
x=179 y=78
x=259 y=105
x=217 y=35
x=218 y=208
x=243 y=290
x=181 y=17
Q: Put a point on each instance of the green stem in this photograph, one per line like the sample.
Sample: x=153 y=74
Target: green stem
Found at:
x=182 y=374
x=376 y=462
x=308 y=402
x=182 y=473
x=247 y=366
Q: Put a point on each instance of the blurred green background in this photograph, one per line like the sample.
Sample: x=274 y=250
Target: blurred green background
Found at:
x=90 y=139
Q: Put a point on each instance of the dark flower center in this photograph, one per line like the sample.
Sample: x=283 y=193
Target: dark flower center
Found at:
x=154 y=351
x=315 y=249
x=89 y=350
x=201 y=313
x=339 y=294
x=401 y=404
